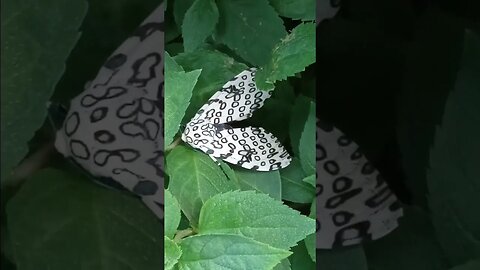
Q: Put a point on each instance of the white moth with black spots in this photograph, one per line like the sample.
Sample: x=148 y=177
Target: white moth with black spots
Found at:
x=354 y=203
x=114 y=128
x=249 y=147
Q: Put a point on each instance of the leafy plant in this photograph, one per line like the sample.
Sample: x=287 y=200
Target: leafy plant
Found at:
x=236 y=216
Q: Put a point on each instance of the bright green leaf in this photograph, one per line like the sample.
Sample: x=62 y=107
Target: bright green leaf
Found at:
x=225 y=251
x=264 y=182
x=292 y=55
x=172 y=214
x=310 y=241
x=249 y=27
x=199 y=23
x=36 y=41
x=178 y=91
x=471 y=265
x=62 y=221
x=254 y=215
x=311 y=179
x=283 y=265
x=172 y=253
x=194 y=178
x=293 y=188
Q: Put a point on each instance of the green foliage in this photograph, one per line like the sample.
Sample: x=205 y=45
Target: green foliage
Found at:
x=180 y=85
x=239 y=213
x=295 y=9
x=199 y=23
x=172 y=211
x=172 y=253
x=453 y=176
x=36 y=41
x=65 y=221
x=295 y=52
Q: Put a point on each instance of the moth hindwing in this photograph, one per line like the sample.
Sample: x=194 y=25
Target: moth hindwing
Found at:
x=113 y=128
x=249 y=147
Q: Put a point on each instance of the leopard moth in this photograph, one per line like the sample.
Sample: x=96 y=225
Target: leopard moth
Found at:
x=113 y=129
x=249 y=147
x=354 y=203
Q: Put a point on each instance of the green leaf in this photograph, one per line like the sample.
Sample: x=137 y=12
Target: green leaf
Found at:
x=293 y=188
x=199 y=23
x=307 y=140
x=292 y=55
x=249 y=27
x=283 y=265
x=254 y=215
x=36 y=41
x=180 y=8
x=62 y=221
x=264 y=182
x=172 y=253
x=471 y=265
x=295 y=9
x=454 y=175
x=300 y=114
x=228 y=252
x=346 y=258
x=437 y=43
x=217 y=68
x=411 y=246
x=300 y=260
x=172 y=214
x=194 y=178
x=178 y=91
x=311 y=179
x=310 y=241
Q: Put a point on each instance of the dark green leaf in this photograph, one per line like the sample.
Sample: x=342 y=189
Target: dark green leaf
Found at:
x=199 y=23
x=63 y=221
x=217 y=68
x=411 y=246
x=249 y=27
x=178 y=91
x=264 y=182
x=454 y=175
x=300 y=112
x=300 y=260
x=342 y=259
x=36 y=41
x=228 y=252
x=172 y=253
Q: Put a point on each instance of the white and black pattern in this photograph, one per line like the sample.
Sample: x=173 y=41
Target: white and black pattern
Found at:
x=354 y=203
x=114 y=128
x=250 y=147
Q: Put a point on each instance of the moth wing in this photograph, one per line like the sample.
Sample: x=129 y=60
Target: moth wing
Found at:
x=113 y=128
x=354 y=203
x=252 y=148
x=236 y=101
